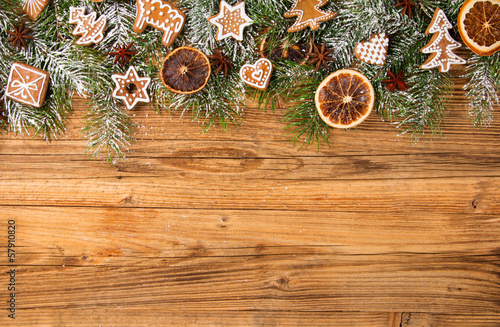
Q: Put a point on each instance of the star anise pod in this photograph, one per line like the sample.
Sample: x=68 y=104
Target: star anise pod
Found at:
x=122 y=53
x=220 y=61
x=395 y=81
x=320 y=56
x=406 y=5
x=19 y=36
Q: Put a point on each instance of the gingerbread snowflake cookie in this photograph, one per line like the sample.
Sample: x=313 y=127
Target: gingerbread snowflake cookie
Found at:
x=27 y=84
x=162 y=16
x=373 y=51
x=257 y=75
x=90 y=29
x=231 y=21
x=308 y=13
x=131 y=88
x=33 y=8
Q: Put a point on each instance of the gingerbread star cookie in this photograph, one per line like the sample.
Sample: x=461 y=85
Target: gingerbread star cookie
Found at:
x=230 y=21
x=131 y=88
x=90 y=29
x=162 y=16
x=257 y=75
x=308 y=14
x=373 y=51
x=33 y=8
x=27 y=84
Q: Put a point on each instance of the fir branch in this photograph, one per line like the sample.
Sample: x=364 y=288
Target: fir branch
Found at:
x=424 y=112
x=221 y=102
x=482 y=88
x=107 y=128
x=305 y=124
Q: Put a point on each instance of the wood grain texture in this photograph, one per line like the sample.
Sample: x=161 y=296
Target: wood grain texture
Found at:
x=244 y=229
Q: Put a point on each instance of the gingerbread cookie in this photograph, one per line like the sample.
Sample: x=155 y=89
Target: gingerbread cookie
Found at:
x=27 y=84
x=230 y=21
x=308 y=14
x=90 y=29
x=162 y=16
x=131 y=88
x=441 y=45
x=257 y=75
x=33 y=8
x=373 y=51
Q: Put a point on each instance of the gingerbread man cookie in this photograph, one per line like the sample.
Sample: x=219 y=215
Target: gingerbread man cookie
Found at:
x=230 y=21
x=131 y=88
x=90 y=29
x=33 y=8
x=308 y=14
x=257 y=75
x=162 y=16
x=27 y=84
x=373 y=51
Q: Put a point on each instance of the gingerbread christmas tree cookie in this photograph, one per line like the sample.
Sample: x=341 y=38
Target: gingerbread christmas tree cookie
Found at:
x=441 y=45
x=33 y=8
x=131 y=88
x=231 y=21
x=257 y=75
x=90 y=29
x=308 y=13
x=27 y=84
x=162 y=16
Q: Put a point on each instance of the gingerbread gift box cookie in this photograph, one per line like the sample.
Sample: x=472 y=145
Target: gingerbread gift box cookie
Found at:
x=162 y=16
x=27 y=84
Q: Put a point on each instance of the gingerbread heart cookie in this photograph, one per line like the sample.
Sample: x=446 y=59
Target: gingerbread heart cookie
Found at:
x=257 y=75
x=373 y=51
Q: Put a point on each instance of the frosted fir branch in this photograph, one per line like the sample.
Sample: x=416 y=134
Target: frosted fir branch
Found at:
x=107 y=128
x=482 y=88
x=425 y=111
x=221 y=102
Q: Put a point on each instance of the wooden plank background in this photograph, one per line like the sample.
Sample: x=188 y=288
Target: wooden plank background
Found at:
x=244 y=229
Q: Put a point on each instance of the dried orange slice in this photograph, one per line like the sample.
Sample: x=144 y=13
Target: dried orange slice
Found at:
x=479 y=25
x=345 y=98
x=185 y=70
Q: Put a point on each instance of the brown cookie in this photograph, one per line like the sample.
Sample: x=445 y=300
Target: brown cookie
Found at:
x=27 y=84
x=257 y=75
x=231 y=21
x=90 y=29
x=308 y=14
x=33 y=8
x=441 y=45
x=131 y=88
x=162 y=16
x=373 y=51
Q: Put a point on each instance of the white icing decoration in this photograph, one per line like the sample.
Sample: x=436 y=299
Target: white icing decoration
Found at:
x=231 y=21
x=121 y=82
x=441 y=26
